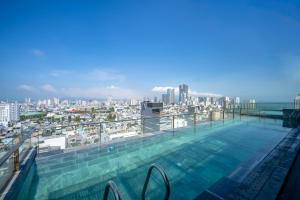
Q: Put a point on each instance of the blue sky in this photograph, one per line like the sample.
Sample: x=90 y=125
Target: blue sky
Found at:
x=93 y=49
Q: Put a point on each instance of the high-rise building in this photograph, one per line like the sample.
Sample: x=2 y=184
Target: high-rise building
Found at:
x=14 y=109
x=108 y=101
x=150 y=113
x=237 y=100
x=201 y=99
x=252 y=104
x=224 y=102
x=9 y=112
x=166 y=99
x=56 y=101
x=207 y=101
x=133 y=102
x=213 y=100
x=49 y=103
x=183 y=93
x=171 y=93
x=4 y=114
x=27 y=100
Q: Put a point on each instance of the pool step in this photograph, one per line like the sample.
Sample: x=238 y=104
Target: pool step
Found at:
x=111 y=185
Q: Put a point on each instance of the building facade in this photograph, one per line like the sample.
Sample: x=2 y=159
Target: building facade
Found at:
x=171 y=93
x=166 y=99
x=9 y=112
x=183 y=93
x=150 y=113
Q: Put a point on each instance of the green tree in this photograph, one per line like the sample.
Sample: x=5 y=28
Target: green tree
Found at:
x=111 y=109
x=69 y=118
x=111 y=117
x=77 y=119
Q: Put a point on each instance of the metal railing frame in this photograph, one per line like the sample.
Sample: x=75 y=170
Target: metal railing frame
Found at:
x=165 y=179
x=111 y=185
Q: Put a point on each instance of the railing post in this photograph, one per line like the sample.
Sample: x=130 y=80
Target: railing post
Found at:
x=38 y=143
x=240 y=113
x=173 y=122
x=195 y=122
x=16 y=156
x=142 y=125
x=210 y=116
x=100 y=133
x=223 y=115
x=16 y=160
x=233 y=113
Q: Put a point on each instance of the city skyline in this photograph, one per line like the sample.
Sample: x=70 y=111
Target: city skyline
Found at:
x=138 y=49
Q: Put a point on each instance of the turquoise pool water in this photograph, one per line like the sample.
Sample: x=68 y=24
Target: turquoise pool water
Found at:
x=193 y=158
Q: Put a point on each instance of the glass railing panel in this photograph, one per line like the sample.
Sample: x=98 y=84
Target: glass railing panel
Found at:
x=24 y=148
x=219 y=115
x=111 y=131
x=34 y=139
x=166 y=123
x=152 y=124
x=274 y=106
x=204 y=116
x=77 y=136
x=6 y=171
x=5 y=145
x=264 y=106
x=182 y=120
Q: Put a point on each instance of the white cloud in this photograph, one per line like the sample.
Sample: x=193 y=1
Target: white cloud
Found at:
x=57 y=73
x=105 y=75
x=101 y=92
x=27 y=88
x=163 y=89
x=204 y=94
x=37 y=52
x=112 y=87
x=84 y=92
x=48 y=88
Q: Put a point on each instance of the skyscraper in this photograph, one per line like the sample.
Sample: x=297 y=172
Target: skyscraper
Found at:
x=237 y=100
x=166 y=99
x=171 y=93
x=183 y=93
x=224 y=101
x=56 y=101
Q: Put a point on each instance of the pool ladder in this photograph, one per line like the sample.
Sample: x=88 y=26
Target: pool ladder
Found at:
x=111 y=185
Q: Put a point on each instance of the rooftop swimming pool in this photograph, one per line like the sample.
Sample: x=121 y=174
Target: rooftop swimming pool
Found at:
x=193 y=158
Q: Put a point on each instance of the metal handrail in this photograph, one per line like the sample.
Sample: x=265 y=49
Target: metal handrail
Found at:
x=14 y=147
x=113 y=186
x=165 y=178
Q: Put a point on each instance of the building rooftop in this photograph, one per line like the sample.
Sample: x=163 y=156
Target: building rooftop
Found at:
x=238 y=154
